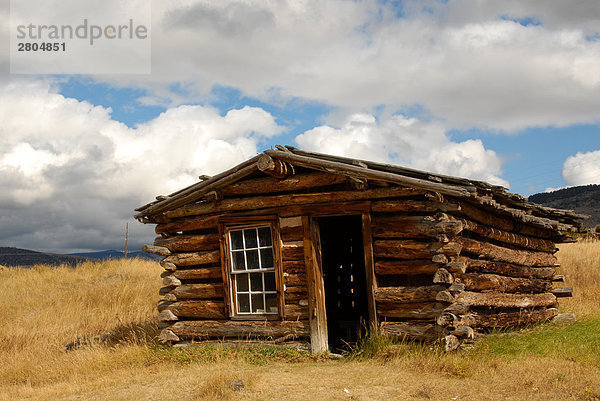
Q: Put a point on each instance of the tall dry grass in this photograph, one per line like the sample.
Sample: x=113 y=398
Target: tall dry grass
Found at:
x=45 y=308
x=580 y=263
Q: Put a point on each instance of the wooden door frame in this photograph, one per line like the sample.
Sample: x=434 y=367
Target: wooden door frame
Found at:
x=314 y=270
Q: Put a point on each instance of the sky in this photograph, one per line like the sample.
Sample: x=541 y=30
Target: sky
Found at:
x=506 y=92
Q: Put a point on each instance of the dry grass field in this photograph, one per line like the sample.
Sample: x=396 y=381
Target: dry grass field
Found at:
x=43 y=309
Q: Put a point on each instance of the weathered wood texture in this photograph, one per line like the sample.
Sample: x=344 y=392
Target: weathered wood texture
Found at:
x=295 y=311
x=396 y=295
x=232 y=328
x=506 y=269
x=407 y=249
x=494 y=282
x=519 y=318
x=411 y=330
x=184 y=243
x=194 y=258
x=422 y=310
x=413 y=206
x=254 y=203
x=414 y=227
x=197 y=274
x=196 y=291
x=506 y=223
x=204 y=309
x=295 y=182
x=502 y=254
x=274 y=167
x=522 y=241
x=495 y=299
x=292 y=251
x=409 y=267
x=188 y=224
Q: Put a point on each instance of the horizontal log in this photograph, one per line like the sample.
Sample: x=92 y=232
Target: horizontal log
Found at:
x=562 y=292
x=407 y=249
x=184 y=243
x=157 y=250
x=424 y=310
x=407 y=294
x=488 y=282
x=371 y=174
x=294 y=266
x=170 y=280
x=293 y=312
x=409 y=267
x=295 y=182
x=253 y=203
x=413 y=330
x=245 y=328
x=189 y=224
x=414 y=227
x=502 y=254
x=413 y=206
x=296 y=296
x=506 y=223
x=292 y=252
x=502 y=300
x=538 y=244
x=194 y=258
x=198 y=291
x=198 y=309
x=198 y=274
x=524 y=317
x=507 y=269
x=289 y=234
x=295 y=279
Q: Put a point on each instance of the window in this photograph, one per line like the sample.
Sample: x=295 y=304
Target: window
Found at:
x=252 y=268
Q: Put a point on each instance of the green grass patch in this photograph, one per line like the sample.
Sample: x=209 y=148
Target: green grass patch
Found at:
x=580 y=340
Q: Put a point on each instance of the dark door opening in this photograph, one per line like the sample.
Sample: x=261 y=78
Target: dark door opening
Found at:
x=346 y=299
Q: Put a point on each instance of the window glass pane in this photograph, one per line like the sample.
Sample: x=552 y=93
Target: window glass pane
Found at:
x=269 y=281
x=256 y=283
x=250 y=237
x=243 y=303
x=242 y=282
x=236 y=239
x=252 y=257
x=258 y=305
x=271 y=300
x=266 y=258
x=264 y=236
x=238 y=260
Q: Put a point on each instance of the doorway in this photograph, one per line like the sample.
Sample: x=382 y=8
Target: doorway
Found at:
x=344 y=279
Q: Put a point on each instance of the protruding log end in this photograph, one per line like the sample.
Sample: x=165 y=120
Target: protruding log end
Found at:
x=451 y=343
x=274 y=167
x=171 y=281
x=562 y=292
x=167 y=336
x=167 y=316
x=443 y=276
x=157 y=250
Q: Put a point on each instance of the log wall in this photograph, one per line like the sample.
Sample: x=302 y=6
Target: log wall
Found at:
x=443 y=266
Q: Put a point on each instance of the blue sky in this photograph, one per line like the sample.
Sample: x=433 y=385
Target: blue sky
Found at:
x=506 y=92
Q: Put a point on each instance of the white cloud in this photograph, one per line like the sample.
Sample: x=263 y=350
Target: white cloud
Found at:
x=407 y=142
x=73 y=173
x=463 y=61
x=582 y=169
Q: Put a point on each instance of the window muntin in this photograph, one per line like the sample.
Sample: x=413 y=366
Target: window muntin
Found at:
x=253 y=270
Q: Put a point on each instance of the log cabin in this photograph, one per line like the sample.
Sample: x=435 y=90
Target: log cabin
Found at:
x=297 y=247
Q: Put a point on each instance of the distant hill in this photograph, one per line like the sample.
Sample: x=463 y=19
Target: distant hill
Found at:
x=112 y=254
x=584 y=199
x=25 y=257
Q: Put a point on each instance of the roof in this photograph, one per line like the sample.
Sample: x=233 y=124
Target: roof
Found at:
x=480 y=193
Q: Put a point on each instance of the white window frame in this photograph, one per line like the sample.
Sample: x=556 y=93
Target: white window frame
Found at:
x=236 y=275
